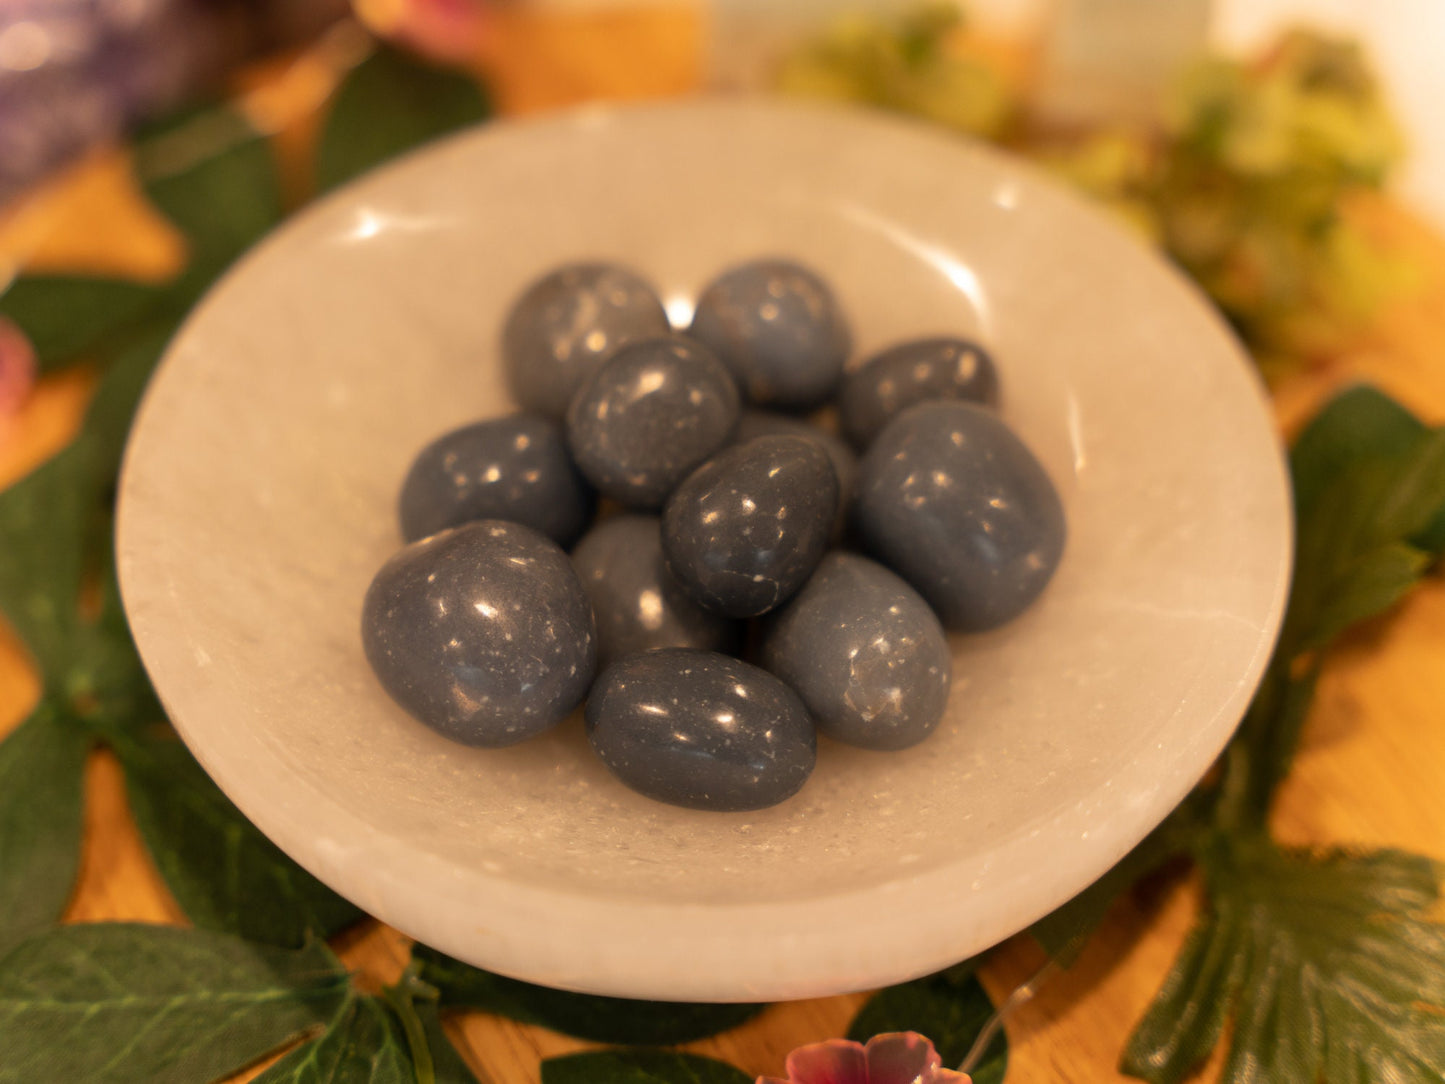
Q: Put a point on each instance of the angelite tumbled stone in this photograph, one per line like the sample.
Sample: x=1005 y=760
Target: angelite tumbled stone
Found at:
x=768 y=423
x=778 y=327
x=701 y=730
x=864 y=651
x=514 y=468
x=745 y=529
x=648 y=416
x=566 y=324
x=482 y=632
x=893 y=380
x=637 y=604
x=953 y=501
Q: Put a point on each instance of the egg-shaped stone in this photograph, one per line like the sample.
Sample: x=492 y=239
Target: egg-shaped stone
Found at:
x=514 y=468
x=777 y=325
x=770 y=423
x=637 y=604
x=654 y=411
x=954 y=502
x=745 y=529
x=912 y=372
x=482 y=632
x=567 y=323
x=701 y=730
x=864 y=651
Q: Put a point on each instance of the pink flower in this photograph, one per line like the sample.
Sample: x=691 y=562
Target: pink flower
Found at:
x=899 y=1057
x=17 y=371
x=451 y=31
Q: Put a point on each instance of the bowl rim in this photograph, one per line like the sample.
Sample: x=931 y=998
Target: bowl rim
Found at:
x=769 y=950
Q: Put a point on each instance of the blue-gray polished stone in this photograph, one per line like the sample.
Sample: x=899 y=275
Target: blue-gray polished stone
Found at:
x=482 y=632
x=864 y=651
x=637 y=603
x=568 y=323
x=653 y=411
x=515 y=468
x=913 y=372
x=953 y=501
x=701 y=730
x=769 y=423
x=778 y=327
x=745 y=529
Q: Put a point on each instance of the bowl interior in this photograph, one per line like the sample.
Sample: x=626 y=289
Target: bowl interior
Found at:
x=259 y=495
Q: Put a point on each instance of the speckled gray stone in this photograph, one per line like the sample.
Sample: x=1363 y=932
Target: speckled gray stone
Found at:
x=482 y=632
x=953 y=501
x=635 y=600
x=778 y=327
x=698 y=729
x=514 y=468
x=567 y=323
x=913 y=372
x=865 y=653
x=648 y=416
x=745 y=529
x=768 y=423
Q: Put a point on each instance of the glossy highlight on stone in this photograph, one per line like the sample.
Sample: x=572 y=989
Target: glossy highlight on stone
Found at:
x=778 y=327
x=952 y=500
x=482 y=632
x=567 y=323
x=864 y=651
x=515 y=468
x=701 y=730
x=745 y=529
x=637 y=604
x=912 y=372
x=769 y=423
x=648 y=416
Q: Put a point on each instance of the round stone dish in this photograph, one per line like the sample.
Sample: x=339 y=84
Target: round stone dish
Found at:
x=258 y=499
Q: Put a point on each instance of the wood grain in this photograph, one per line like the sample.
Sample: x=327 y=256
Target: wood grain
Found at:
x=1372 y=770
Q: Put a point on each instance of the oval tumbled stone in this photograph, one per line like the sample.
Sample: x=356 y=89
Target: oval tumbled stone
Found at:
x=864 y=651
x=514 y=468
x=778 y=327
x=745 y=529
x=954 y=502
x=770 y=423
x=648 y=416
x=637 y=604
x=567 y=323
x=482 y=632
x=893 y=380
x=701 y=730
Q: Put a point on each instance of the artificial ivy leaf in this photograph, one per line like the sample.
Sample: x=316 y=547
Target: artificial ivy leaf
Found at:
x=215 y=177
x=67 y=316
x=108 y=420
x=447 y=1062
x=949 y=1012
x=390 y=103
x=1357 y=424
x=1334 y=975
x=225 y=874
x=624 y=1021
x=640 y=1067
x=42 y=518
x=1368 y=586
x=363 y=1045
x=120 y=1003
x=40 y=822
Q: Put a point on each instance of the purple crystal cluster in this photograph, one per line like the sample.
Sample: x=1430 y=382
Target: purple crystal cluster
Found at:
x=75 y=73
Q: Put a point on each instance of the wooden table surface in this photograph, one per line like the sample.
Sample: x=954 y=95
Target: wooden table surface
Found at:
x=1372 y=769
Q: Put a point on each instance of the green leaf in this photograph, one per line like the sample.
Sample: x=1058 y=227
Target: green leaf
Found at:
x=601 y=1019
x=447 y=1062
x=949 y=1012
x=1359 y=423
x=40 y=822
x=223 y=871
x=363 y=1045
x=42 y=519
x=1326 y=961
x=66 y=317
x=390 y=103
x=640 y=1067
x=215 y=177
x=1367 y=587
x=117 y=1003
